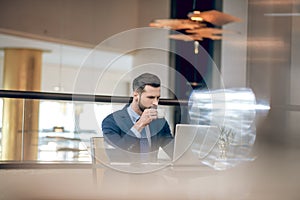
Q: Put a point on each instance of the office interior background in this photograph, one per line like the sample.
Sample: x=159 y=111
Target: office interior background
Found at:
x=79 y=42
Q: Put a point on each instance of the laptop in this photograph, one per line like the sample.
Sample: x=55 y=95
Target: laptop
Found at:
x=188 y=143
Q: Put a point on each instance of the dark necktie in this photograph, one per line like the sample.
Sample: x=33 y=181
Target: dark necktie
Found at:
x=144 y=144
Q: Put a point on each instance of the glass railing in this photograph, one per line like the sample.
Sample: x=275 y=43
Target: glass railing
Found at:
x=38 y=127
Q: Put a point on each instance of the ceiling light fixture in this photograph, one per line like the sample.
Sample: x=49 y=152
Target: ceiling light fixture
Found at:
x=195 y=27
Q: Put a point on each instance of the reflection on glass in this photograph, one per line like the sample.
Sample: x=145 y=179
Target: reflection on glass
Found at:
x=231 y=115
x=65 y=128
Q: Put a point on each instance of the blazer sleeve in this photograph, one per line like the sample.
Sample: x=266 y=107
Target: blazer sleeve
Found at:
x=119 y=134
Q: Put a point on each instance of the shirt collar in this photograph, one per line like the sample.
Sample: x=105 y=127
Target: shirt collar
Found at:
x=133 y=115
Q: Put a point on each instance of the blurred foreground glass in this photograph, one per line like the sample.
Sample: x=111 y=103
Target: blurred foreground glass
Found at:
x=231 y=115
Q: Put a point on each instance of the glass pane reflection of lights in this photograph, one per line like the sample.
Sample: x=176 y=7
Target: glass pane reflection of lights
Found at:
x=231 y=114
x=64 y=130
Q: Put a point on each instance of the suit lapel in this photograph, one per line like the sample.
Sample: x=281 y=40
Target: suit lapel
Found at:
x=124 y=121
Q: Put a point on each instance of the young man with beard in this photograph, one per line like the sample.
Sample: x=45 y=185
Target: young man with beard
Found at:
x=136 y=128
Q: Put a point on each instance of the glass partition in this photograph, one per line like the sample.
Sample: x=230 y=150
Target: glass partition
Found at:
x=55 y=131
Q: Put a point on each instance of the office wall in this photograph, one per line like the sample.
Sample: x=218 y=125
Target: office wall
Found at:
x=294 y=116
x=83 y=25
x=82 y=22
x=86 y=21
x=271 y=66
x=234 y=45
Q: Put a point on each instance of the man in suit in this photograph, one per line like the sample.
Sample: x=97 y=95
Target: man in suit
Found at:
x=136 y=128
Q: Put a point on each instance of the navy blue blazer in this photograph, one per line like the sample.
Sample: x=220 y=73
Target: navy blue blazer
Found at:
x=116 y=131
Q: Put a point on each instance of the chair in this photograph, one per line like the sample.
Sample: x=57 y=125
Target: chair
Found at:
x=99 y=157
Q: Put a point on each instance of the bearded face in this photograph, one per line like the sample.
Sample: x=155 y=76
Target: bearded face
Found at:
x=148 y=98
x=140 y=104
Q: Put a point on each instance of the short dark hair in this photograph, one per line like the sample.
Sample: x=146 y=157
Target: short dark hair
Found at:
x=142 y=80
